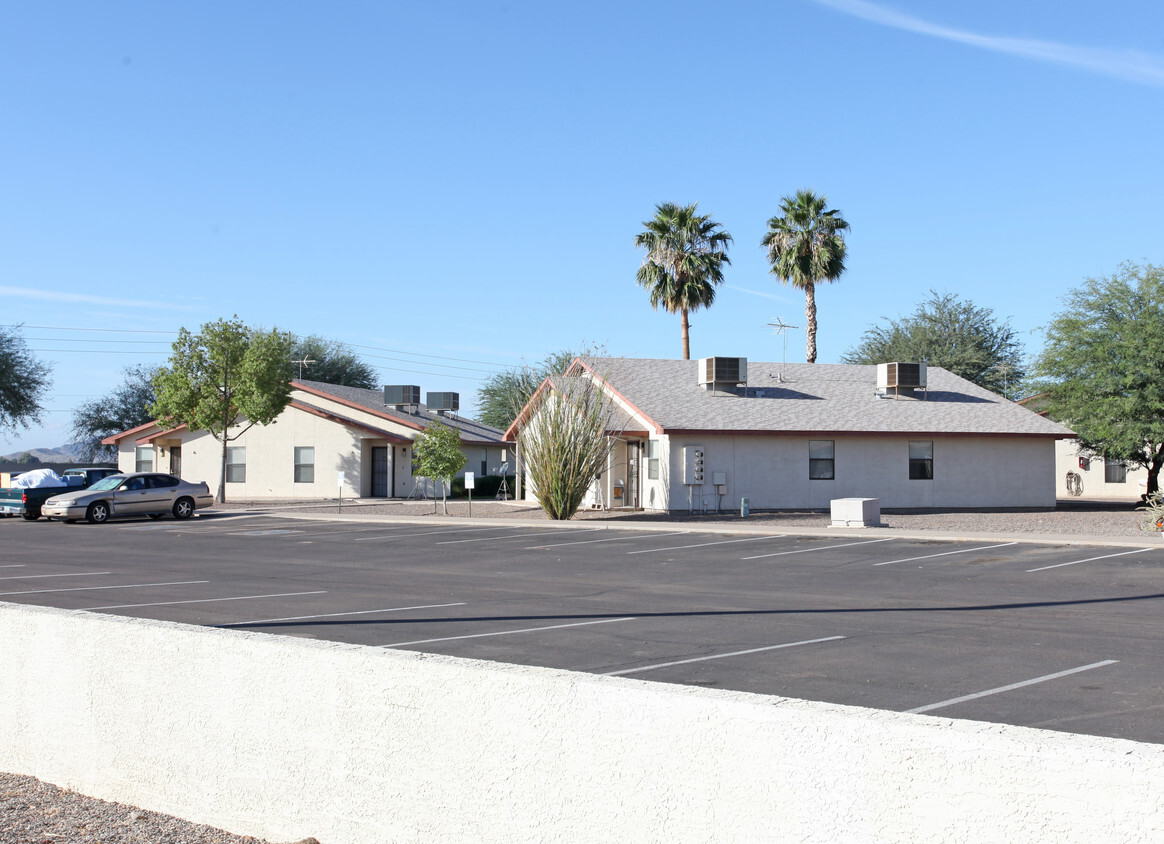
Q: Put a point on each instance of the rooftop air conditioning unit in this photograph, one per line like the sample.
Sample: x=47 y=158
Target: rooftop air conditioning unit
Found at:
x=723 y=372
x=901 y=378
x=443 y=402
x=401 y=395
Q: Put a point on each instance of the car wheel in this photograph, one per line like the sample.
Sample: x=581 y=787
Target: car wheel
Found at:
x=156 y=515
x=183 y=508
x=30 y=517
x=98 y=513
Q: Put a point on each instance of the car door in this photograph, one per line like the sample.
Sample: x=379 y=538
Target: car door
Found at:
x=131 y=497
x=161 y=493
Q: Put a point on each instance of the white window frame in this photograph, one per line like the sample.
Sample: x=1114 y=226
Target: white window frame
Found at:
x=304 y=460
x=236 y=464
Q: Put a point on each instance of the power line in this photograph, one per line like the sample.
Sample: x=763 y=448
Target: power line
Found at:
x=92 y=340
x=71 y=328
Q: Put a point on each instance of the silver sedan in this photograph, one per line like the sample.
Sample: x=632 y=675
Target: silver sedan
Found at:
x=137 y=494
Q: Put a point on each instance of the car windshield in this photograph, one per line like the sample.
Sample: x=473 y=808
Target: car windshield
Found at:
x=109 y=482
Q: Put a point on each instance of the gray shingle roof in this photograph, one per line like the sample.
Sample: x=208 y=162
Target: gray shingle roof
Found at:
x=373 y=400
x=840 y=398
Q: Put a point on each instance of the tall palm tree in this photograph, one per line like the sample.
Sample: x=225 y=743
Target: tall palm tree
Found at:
x=805 y=247
x=686 y=253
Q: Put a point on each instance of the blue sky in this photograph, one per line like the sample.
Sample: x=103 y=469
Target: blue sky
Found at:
x=454 y=188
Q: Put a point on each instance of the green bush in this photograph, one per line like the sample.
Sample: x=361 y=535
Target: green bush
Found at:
x=483 y=487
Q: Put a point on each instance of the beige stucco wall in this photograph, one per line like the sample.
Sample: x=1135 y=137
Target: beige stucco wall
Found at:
x=270 y=458
x=283 y=737
x=773 y=472
x=1092 y=476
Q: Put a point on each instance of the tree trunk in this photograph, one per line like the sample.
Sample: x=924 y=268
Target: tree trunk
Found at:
x=686 y=334
x=222 y=473
x=1154 y=472
x=810 y=322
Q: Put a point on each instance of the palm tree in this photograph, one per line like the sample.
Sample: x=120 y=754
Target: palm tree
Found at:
x=686 y=253
x=805 y=247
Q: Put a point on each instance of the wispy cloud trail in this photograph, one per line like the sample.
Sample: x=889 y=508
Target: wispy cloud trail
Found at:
x=87 y=299
x=1131 y=65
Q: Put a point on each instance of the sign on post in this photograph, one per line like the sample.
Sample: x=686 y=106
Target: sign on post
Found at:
x=469 y=489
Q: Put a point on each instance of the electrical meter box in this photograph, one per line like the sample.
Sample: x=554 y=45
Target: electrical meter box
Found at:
x=693 y=465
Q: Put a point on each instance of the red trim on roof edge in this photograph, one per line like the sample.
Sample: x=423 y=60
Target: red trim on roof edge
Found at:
x=407 y=423
x=113 y=438
x=149 y=440
x=606 y=385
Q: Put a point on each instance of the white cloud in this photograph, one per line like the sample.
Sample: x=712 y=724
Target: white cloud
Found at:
x=86 y=299
x=1130 y=65
x=763 y=293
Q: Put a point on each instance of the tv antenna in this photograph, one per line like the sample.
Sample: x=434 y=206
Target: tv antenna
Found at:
x=781 y=328
x=301 y=364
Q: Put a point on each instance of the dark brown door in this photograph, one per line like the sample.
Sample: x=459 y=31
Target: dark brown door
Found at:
x=379 y=471
x=176 y=461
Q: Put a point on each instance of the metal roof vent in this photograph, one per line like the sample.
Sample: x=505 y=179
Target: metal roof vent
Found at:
x=722 y=373
x=402 y=396
x=900 y=379
x=443 y=403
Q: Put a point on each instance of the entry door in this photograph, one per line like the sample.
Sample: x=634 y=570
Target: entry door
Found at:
x=176 y=461
x=633 y=453
x=379 y=471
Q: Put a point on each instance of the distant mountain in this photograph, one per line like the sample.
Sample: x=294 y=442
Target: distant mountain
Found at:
x=63 y=454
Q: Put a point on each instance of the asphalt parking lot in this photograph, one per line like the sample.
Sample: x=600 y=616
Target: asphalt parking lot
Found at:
x=1060 y=637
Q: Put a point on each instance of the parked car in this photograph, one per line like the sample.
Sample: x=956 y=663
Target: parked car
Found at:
x=88 y=475
x=25 y=499
x=135 y=494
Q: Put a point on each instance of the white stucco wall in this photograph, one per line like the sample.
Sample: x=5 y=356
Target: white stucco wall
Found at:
x=1092 y=477
x=772 y=471
x=282 y=738
x=270 y=458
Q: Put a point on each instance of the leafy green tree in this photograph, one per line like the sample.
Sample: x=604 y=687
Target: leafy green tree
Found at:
x=565 y=444
x=439 y=457
x=24 y=380
x=125 y=407
x=226 y=376
x=330 y=361
x=805 y=247
x=1103 y=367
x=952 y=333
x=686 y=254
x=502 y=396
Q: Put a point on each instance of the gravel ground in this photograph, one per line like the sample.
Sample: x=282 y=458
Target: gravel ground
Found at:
x=1076 y=518
x=33 y=812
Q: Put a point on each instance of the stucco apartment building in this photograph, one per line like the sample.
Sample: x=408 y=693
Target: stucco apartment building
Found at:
x=704 y=434
x=326 y=433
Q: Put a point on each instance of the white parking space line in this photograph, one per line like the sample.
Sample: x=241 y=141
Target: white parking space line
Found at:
x=1090 y=559
x=388 y=536
x=634 y=538
x=13 y=566
x=268 y=532
x=1012 y=686
x=719 y=656
x=206 y=600
x=339 y=532
x=95 y=588
x=706 y=544
x=819 y=548
x=340 y=614
x=946 y=553
x=36 y=576
x=508 y=632
x=517 y=536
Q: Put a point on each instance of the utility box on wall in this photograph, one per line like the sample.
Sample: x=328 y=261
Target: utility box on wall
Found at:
x=693 y=465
